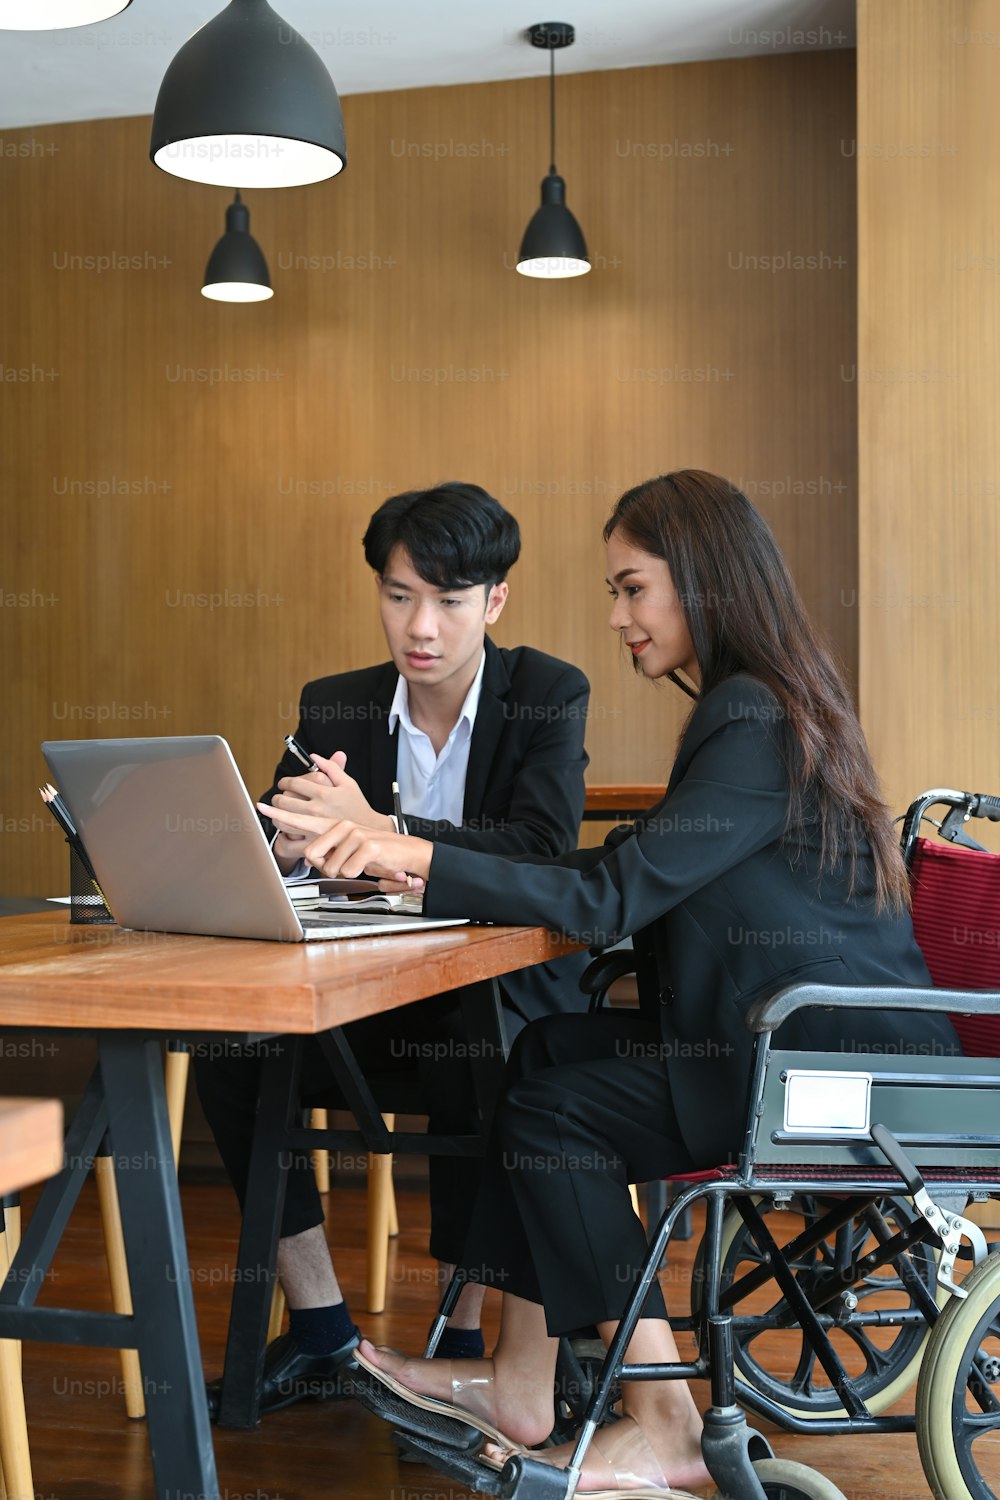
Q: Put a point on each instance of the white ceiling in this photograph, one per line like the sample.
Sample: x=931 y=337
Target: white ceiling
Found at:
x=115 y=67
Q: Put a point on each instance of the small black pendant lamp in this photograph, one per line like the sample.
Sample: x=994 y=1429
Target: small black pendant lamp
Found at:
x=248 y=100
x=237 y=270
x=52 y=15
x=553 y=244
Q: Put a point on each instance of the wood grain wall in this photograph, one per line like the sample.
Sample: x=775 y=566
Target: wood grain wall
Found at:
x=185 y=484
x=928 y=144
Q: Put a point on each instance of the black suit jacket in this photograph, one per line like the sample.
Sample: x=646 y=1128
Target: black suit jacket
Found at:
x=725 y=911
x=524 y=789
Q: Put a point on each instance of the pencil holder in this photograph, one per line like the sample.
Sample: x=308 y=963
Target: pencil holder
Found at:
x=86 y=899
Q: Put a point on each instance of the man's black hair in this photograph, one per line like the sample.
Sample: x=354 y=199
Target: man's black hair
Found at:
x=455 y=534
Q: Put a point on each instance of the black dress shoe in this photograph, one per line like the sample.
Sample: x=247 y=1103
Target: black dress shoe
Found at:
x=290 y=1376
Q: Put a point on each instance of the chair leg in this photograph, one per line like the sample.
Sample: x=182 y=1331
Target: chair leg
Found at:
x=390 y=1124
x=175 y=1072
x=319 y=1120
x=277 y=1313
x=393 y=1215
x=11 y=1229
x=380 y=1207
x=17 y=1483
x=121 y=1291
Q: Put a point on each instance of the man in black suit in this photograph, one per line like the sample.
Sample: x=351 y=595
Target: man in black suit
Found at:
x=487 y=747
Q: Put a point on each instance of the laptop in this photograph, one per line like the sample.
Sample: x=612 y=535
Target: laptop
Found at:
x=177 y=844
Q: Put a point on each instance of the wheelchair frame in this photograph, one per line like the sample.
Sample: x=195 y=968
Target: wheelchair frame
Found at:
x=906 y=1150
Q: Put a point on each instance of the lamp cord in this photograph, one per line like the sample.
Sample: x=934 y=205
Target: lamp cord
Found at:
x=552 y=108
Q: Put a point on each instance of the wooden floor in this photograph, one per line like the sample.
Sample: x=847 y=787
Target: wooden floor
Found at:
x=85 y=1448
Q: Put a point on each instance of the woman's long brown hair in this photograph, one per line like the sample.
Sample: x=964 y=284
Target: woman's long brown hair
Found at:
x=744 y=614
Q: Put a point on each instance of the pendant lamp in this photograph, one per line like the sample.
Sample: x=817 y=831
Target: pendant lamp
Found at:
x=52 y=15
x=248 y=100
x=553 y=244
x=237 y=270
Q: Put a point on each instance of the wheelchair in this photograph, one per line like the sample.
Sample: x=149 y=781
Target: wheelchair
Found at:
x=828 y=1281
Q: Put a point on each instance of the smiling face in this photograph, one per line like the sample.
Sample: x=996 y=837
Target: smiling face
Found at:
x=435 y=635
x=647 y=611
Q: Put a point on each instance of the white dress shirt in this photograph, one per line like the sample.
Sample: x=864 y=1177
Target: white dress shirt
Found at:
x=433 y=786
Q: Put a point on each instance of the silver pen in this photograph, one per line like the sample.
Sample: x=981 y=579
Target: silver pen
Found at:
x=298 y=751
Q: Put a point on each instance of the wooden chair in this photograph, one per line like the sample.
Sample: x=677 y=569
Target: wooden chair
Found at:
x=31 y=1150
x=383 y=1220
x=13 y=1420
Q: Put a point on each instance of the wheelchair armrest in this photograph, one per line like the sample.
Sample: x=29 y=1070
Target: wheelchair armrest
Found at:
x=767 y=1015
x=598 y=977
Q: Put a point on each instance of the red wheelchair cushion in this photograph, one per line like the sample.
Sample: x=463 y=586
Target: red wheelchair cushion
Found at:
x=956 y=919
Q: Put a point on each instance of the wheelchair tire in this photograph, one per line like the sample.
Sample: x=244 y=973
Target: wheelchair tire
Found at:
x=880 y=1388
x=783 y=1479
x=948 y=1417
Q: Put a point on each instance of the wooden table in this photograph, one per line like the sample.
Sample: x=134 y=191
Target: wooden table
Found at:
x=131 y=989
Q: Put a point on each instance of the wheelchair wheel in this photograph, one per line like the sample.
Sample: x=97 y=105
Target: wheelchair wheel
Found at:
x=578 y=1366
x=958 y=1394
x=774 y=1357
x=783 y=1479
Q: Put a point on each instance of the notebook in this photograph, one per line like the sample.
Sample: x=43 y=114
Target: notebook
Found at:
x=177 y=845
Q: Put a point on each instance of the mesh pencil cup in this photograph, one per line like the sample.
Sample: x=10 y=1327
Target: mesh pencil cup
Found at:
x=86 y=899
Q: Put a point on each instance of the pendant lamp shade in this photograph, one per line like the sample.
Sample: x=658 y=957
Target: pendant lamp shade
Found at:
x=553 y=243
x=553 y=246
x=248 y=101
x=237 y=270
x=52 y=15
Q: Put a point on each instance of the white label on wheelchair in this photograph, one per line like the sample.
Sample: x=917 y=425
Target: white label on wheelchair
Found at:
x=818 y=1102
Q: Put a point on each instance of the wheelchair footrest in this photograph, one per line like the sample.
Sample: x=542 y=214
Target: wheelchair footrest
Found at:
x=464 y=1467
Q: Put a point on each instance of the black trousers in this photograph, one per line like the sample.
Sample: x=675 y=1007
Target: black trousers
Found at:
x=586 y=1110
x=426 y=1042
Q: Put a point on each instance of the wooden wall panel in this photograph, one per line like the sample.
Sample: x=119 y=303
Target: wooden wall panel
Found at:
x=401 y=348
x=929 y=365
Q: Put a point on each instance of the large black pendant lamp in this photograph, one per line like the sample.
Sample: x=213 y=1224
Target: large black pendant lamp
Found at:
x=237 y=270
x=52 y=15
x=248 y=100
x=553 y=244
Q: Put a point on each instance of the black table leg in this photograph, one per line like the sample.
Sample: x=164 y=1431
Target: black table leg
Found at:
x=180 y=1436
x=255 y=1266
x=482 y=1018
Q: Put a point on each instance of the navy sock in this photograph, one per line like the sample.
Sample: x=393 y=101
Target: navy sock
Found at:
x=461 y=1343
x=320 y=1330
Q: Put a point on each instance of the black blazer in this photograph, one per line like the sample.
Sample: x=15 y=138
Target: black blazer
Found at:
x=725 y=911
x=524 y=789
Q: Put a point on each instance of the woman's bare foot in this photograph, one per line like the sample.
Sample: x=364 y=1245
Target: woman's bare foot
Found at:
x=623 y=1456
x=481 y=1387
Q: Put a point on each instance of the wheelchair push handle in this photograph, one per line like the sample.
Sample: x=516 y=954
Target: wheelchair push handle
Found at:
x=985 y=807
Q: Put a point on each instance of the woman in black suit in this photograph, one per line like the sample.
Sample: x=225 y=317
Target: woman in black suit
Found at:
x=770 y=859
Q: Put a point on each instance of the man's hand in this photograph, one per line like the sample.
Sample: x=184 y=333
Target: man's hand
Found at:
x=342 y=848
x=289 y=848
x=331 y=794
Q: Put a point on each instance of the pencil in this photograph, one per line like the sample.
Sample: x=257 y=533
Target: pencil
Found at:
x=60 y=812
x=54 y=798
